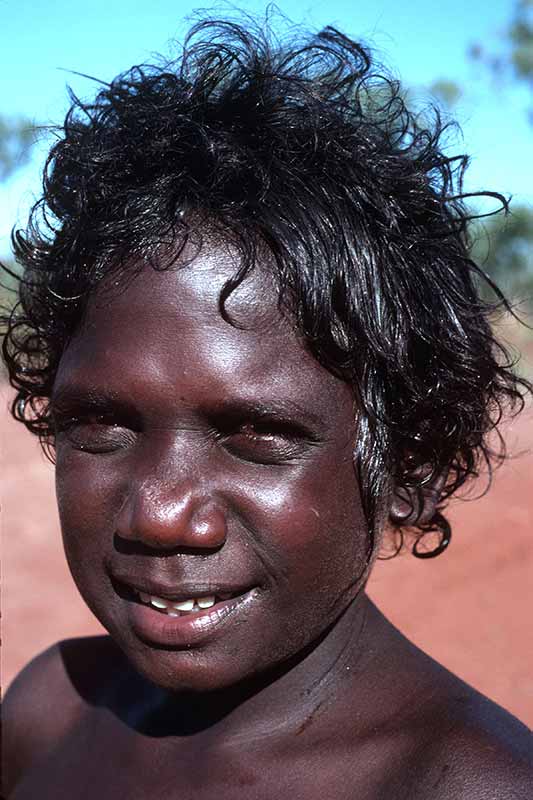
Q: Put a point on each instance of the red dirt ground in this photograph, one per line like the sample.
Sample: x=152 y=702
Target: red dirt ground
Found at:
x=471 y=608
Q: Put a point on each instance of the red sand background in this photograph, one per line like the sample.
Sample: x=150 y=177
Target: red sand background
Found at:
x=472 y=608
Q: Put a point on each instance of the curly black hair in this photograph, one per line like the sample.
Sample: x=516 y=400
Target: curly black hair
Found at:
x=302 y=146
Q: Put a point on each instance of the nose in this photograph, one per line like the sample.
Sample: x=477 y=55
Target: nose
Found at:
x=172 y=516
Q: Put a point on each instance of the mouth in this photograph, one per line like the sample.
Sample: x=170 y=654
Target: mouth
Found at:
x=184 y=606
x=184 y=616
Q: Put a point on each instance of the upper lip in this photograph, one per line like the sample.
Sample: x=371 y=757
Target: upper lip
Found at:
x=181 y=590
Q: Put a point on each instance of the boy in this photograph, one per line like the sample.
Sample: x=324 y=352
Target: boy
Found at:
x=253 y=340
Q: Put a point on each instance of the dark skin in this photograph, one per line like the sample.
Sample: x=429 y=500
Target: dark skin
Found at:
x=199 y=458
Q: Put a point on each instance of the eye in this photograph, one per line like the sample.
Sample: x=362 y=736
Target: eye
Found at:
x=264 y=442
x=94 y=433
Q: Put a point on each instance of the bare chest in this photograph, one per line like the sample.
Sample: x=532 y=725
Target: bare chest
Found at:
x=108 y=761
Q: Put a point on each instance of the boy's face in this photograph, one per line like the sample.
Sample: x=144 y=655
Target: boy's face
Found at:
x=196 y=459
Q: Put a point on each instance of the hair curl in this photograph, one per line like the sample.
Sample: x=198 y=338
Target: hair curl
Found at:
x=305 y=147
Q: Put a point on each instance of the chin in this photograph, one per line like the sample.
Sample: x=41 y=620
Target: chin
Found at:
x=190 y=672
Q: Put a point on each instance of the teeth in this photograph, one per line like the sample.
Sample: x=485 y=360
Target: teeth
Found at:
x=193 y=604
x=206 y=602
x=158 y=602
x=186 y=605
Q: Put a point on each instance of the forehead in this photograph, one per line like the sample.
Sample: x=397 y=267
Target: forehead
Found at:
x=184 y=301
x=162 y=331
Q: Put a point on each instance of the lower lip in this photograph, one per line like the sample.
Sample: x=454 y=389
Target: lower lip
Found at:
x=157 y=627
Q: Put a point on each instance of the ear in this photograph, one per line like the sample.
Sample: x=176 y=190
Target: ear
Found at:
x=416 y=505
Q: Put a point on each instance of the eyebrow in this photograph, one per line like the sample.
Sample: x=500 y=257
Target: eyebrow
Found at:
x=282 y=415
x=71 y=399
x=279 y=408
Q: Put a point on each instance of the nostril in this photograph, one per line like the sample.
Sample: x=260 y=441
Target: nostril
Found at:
x=178 y=519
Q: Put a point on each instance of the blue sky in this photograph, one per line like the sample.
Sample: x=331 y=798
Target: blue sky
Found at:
x=421 y=41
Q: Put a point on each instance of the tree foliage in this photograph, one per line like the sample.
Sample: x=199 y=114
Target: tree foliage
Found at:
x=16 y=138
x=503 y=246
x=513 y=57
x=447 y=92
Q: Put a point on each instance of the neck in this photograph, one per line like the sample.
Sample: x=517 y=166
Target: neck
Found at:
x=288 y=697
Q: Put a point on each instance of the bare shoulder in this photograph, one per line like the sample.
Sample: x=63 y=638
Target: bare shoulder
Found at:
x=478 y=751
x=448 y=741
x=45 y=702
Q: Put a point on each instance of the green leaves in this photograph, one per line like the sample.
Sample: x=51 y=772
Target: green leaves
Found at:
x=16 y=139
x=503 y=247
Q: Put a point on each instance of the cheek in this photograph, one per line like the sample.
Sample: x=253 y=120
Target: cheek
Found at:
x=88 y=486
x=313 y=539
x=87 y=502
x=87 y=498
x=315 y=525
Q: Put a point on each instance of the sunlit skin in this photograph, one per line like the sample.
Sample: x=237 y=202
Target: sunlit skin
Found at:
x=204 y=449
x=199 y=457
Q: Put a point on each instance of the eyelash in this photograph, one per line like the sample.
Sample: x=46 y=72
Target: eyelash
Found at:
x=281 y=441
x=124 y=435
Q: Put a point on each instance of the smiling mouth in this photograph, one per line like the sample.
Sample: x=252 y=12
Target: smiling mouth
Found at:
x=182 y=616
x=181 y=608
x=179 y=605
